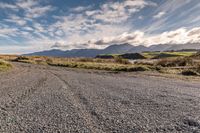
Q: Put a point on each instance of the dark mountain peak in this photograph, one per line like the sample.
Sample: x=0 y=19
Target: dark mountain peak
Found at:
x=116 y=49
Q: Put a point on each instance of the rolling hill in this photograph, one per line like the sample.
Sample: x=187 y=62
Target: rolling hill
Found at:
x=115 y=49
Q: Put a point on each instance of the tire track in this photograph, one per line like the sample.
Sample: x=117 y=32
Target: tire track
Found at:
x=82 y=105
x=8 y=109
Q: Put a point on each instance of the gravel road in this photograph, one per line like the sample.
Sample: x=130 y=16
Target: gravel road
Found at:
x=43 y=99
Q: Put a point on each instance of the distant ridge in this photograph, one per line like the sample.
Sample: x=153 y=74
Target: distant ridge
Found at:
x=115 y=49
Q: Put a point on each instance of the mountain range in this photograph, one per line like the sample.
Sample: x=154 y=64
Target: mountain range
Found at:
x=116 y=49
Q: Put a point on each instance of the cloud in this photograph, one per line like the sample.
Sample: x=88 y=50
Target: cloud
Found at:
x=110 y=22
x=171 y=9
x=141 y=17
x=80 y=8
x=123 y=38
x=118 y=12
x=58 y=45
x=16 y=19
x=178 y=36
x=26 y=4
x=159 y=15
x=7 y=31
x=31 y=8
x=8 y=6
x=36 y=12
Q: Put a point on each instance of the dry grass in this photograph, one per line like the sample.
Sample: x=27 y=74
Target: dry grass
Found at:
x=187 y=66
x=176 y=62
x=116 y=64
x=4 y=65
x=98 y=64
x=179 y=65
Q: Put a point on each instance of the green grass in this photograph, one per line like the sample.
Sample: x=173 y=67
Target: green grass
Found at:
x=4 y=65
x=100 y=66
x=151 y=55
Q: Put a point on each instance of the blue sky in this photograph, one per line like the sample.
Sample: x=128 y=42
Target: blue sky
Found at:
x=35 y=25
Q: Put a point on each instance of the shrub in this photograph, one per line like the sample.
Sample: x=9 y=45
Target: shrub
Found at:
x=85 y=60
x=4 y=65
x=120 y=60
x=49 y=61
x=21 y=58
x=139 y=68
x=175 y=62
x=190 y=73
x=198 y=68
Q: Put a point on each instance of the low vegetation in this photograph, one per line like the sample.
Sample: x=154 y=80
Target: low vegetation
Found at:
x=161 y=55
x=129 y=56
x=196 y=55
x=187 y=66
x=176 y=62
x=4 y=65
x=184 y=63
x=115 y=64
x=190 y=73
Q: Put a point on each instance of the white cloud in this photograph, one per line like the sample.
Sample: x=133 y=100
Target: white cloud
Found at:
x=31 y=8
x=16 y=19
x=140 y=17
x=159 y=15
x=9 y=6
x=80 y=8
x=36 y=12
x=26 y=4
x=118 y=12
x=7 y=31
x=179 y=36
x=81 y=28
x=167 y=8
x=89 y=27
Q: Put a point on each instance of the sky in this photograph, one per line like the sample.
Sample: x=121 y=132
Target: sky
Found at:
x=34 y=25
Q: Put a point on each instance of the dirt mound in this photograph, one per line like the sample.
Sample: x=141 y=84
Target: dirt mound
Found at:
x=165 y=55
x=132 y=56
x=104 y=56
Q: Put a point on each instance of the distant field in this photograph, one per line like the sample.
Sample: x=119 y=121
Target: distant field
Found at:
x=151 y=55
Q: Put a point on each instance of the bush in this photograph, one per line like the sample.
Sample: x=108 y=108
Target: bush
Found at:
x=21 y=58
x=4 y=65
x=190 y=73
x=139 y=68
x=85 y=60
x=198 y=68
x=175 y=62
x=120 y=60
x=49 y=61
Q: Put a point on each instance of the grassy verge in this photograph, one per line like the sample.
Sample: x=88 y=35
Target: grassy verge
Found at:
x=101 y=66
x=186 y=66
x=4 y=65
x=180 y=65
x=116 y=64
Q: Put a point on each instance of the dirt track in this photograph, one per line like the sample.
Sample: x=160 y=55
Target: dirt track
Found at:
x=37 y=99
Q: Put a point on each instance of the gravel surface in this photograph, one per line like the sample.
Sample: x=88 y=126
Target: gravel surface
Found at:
x=43 y=99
